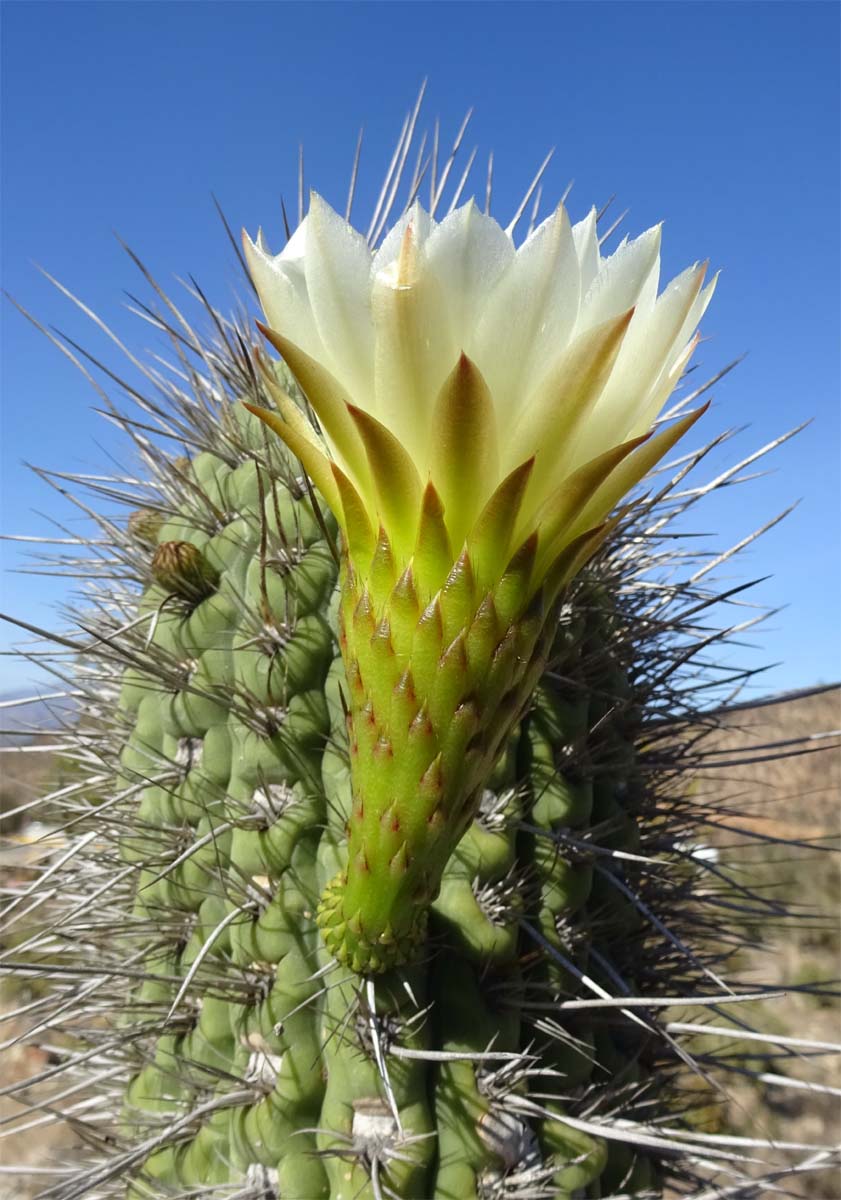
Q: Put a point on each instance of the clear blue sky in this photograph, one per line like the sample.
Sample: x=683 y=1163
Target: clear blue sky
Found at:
x=721 y=118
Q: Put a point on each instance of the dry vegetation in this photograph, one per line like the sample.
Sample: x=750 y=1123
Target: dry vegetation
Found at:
x=792 y=784
x=779 y=794
x=25 y=775
x=776 y=770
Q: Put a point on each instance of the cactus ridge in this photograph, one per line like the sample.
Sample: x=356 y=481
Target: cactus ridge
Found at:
x=477 y=1016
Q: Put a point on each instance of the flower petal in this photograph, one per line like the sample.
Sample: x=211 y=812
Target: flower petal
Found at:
x=289 y=410
x=575 y=555
x=433 y=556
x=282 y=288
x=677 y=360
x=356 y=524
x=389 y=249
x=621 y=278
x=629 y=472
x=490 y=538
x=586 y=238
x=530 y=314
x=414 y=350
x=468 y=252
x=338 y=266
x=562 y=511
x=646 y=349
x=329 y=401
x=295 y=250
x=562 y=402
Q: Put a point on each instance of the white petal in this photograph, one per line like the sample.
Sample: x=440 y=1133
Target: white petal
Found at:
x=663 y=388
x=282 y=289
x=467 y=252
x=414 y=349
x=648 y=346
x=676 y=362
x=389 y=250
x=621 y=279
x=695 y=314
x=646 y=351
x=586 y=238
x=338 y=265
x=530 y=315
x=296 y=248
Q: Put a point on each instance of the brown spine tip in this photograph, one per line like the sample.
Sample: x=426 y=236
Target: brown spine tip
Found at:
x=390 y=819
x=431 y=615
x=399 y=862
x=432 y=780
x=422 y=724
x=383 y=748
x=405 y=687
x=364 y=610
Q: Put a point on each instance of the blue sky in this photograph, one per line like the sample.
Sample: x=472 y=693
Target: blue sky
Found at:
x=721 y=118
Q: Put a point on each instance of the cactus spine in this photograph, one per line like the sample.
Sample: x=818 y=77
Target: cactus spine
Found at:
x=491 y=1045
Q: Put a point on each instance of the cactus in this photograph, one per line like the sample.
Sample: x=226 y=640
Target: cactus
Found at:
x=220 y=1025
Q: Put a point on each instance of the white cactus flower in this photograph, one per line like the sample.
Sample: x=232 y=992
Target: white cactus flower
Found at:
x=450 y=357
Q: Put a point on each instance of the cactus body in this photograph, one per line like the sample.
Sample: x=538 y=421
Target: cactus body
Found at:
x=376 y=879
x=248 y=824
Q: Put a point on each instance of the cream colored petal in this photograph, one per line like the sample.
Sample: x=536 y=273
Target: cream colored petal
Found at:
x=586 y=239
x=663 y=388
x=530 y=315
x=414 y=350
x=621 y=279
x=676 y=362
x=632 y=469
x=338 y=266
x=694 y=316
x=561 y=405
x=645 y=352
x=389 y=249
x=467 y=253
x=649 y=341
x=296 y=247
x=282 y=290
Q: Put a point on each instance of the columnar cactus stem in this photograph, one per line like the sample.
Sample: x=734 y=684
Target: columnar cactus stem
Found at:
x=376 y=867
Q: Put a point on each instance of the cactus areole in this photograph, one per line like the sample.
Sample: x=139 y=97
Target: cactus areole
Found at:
x=472 y=412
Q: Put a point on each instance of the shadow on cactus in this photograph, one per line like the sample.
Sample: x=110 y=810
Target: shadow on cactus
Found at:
x=384 y=873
